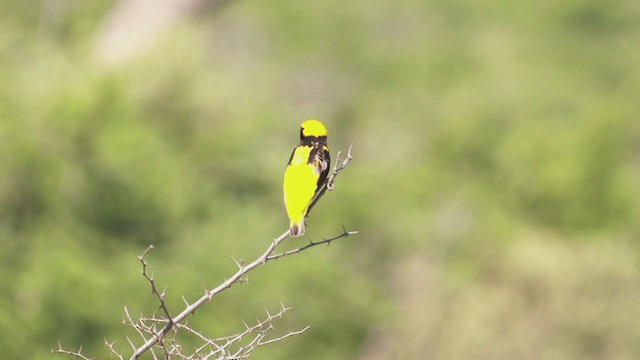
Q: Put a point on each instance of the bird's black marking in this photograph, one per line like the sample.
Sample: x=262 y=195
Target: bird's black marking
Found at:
x=320 y=158
x=312 y=140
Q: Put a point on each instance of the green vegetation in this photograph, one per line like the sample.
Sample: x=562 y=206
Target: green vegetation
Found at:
x=496 y=180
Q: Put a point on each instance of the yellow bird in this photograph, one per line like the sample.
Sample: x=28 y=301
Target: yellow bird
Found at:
x=306 y=171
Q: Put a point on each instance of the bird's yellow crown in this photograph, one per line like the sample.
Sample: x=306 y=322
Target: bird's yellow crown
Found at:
x=312 y=128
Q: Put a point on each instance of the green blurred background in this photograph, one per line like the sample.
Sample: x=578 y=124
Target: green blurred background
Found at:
x=495 y=185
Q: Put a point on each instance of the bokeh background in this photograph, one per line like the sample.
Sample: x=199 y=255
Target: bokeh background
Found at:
x=495 y=185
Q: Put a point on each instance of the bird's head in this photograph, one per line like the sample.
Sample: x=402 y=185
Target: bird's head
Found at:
x=312 y=129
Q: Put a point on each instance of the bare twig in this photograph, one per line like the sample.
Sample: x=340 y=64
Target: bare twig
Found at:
x=77 y=354
x=261 y=329
x=228 y=347
x=337 y=169
x=328 y=241
x=154 y=290
x=289 y=334
x=111 y=346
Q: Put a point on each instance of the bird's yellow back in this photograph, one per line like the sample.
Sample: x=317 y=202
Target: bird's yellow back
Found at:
x=300 y=180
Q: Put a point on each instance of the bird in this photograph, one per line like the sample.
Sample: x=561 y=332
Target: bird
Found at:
x=305 y=174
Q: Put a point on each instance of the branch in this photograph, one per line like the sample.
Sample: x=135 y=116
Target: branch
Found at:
x=154 y=290
x=280 y=338
x=221 y=348
x=261 y=328
x=147 y=327
x=111 y=346
x=344 y=234
x=77 y=354
x=242 y=270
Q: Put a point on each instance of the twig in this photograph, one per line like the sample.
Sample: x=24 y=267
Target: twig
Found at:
x=221 y=347
x=261 y=328
x=345 y=233
x=154 y=290
x=289 y=334
x=77 y=354
x=111 y=346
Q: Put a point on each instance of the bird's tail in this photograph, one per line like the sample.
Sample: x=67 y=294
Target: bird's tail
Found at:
x=296 y=228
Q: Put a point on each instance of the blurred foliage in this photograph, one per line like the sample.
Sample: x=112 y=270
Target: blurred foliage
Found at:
x=496 y=180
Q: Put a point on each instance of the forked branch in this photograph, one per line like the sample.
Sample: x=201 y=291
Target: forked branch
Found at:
x=154 y=330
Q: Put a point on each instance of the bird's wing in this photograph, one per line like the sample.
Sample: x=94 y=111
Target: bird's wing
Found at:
x=323 y=163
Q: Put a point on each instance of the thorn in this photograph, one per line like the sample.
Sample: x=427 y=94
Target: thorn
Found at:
x=238 y=263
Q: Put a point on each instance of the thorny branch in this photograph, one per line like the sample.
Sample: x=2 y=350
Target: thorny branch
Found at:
x=112 y=349
x=149 y=278
x=154 y=330
x=328 y=241
x=77 y=354
x=230 y=347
